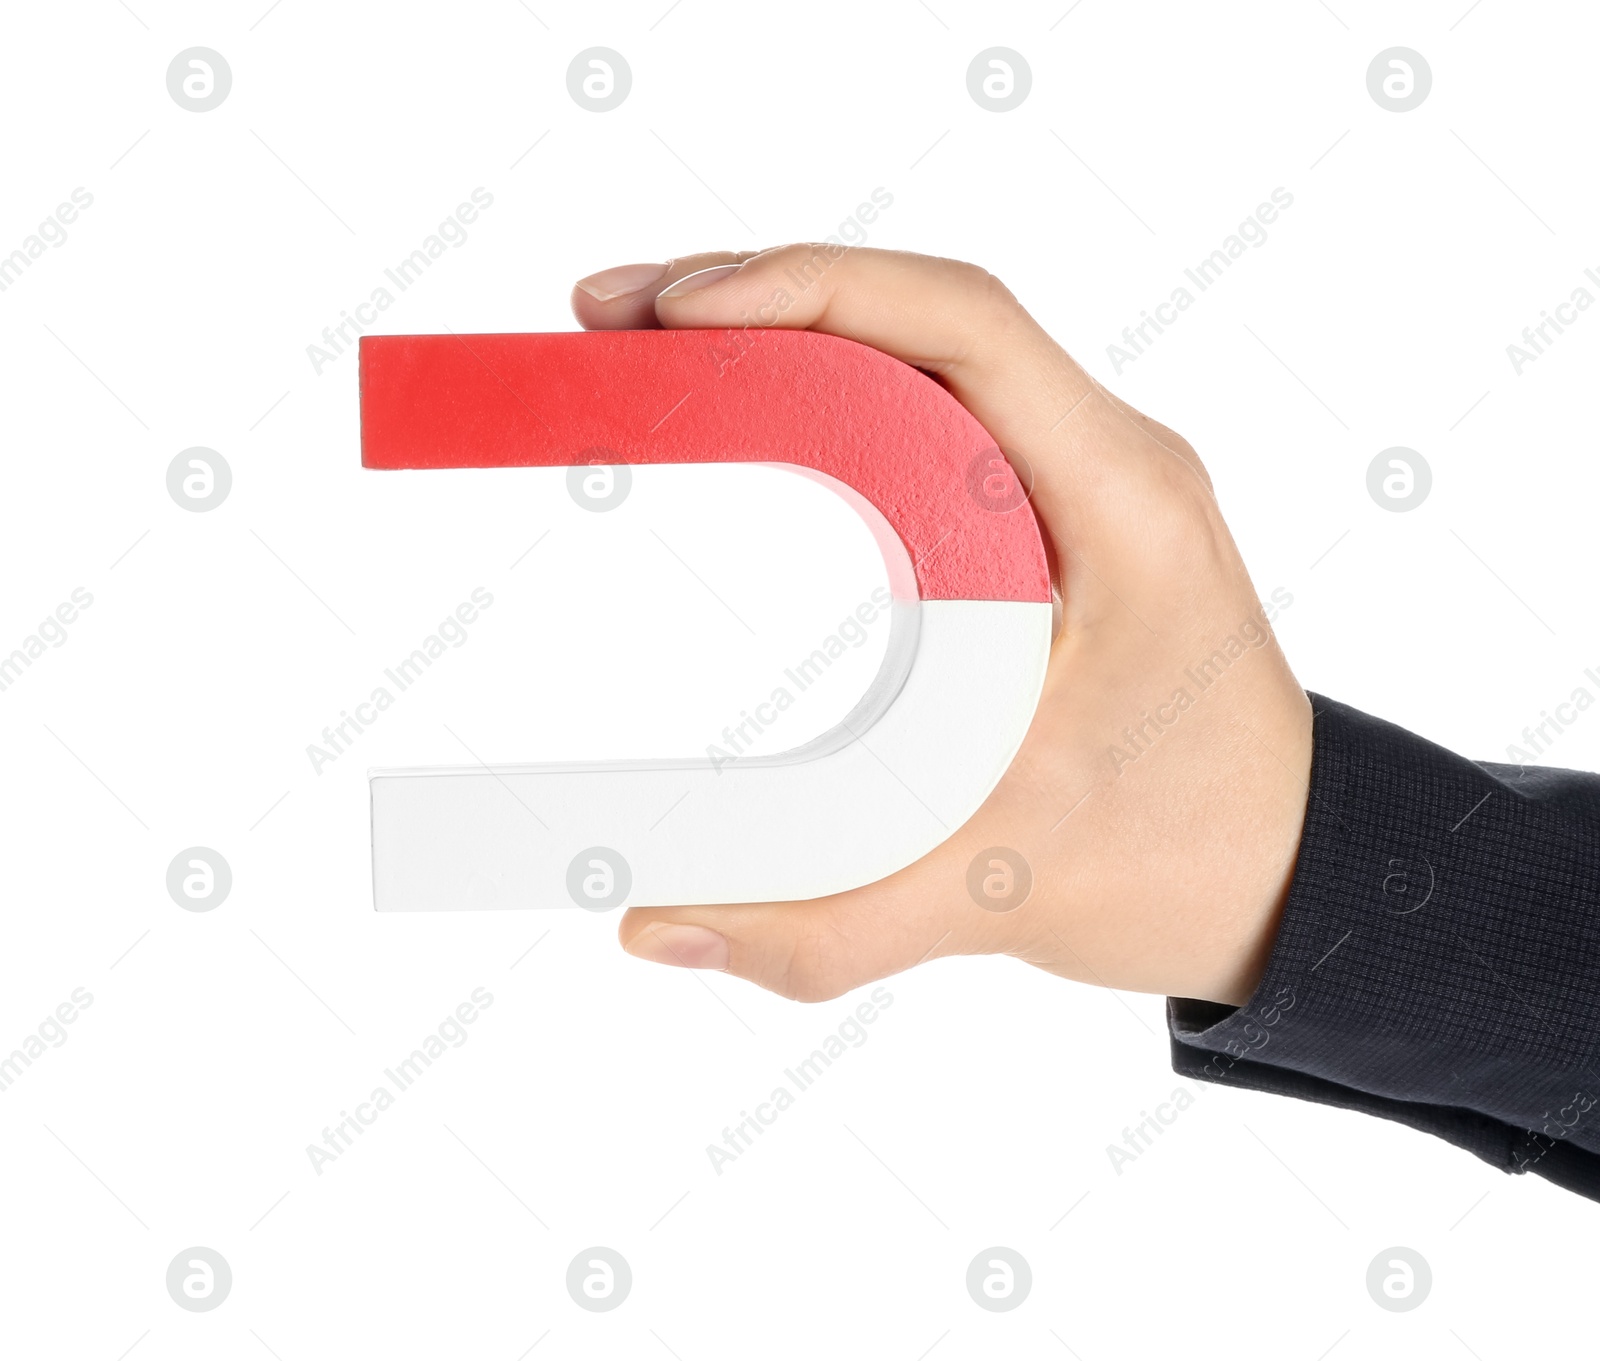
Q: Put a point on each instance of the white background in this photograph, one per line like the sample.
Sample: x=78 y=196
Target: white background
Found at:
x=177 y=713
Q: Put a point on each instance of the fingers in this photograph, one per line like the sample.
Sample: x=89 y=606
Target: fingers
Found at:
x=1094 y=463
x=951 y=319
x=1092 y=466
x=623 y=298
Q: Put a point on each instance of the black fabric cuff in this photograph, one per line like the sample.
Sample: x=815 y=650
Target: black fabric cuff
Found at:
x=1438 y=961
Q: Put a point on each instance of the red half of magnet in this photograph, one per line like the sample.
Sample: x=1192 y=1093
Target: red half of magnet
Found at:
x=737 y=396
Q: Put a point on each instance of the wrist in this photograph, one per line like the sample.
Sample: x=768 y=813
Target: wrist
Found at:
x=1249 y=921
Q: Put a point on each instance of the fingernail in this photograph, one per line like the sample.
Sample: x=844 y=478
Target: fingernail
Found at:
x=613 y=283
x=690 y=282
x=689 y=947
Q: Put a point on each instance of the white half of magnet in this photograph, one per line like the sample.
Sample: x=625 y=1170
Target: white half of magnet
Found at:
x=899 y=774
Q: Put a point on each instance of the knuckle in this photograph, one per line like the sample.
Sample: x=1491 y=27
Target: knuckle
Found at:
x=986 y=307
x=1186 y=524
x=816 y=991
x=812 y=970
x=998 y=295
x=1177 y=445
x=985 y=290
x=806 y=985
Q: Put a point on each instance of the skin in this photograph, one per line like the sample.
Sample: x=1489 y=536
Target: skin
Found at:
x=1166 y=875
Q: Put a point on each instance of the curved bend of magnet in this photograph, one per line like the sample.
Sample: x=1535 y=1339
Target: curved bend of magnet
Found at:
x=969 y=636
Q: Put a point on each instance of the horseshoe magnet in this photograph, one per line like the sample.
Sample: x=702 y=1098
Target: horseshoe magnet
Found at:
x=970 y=622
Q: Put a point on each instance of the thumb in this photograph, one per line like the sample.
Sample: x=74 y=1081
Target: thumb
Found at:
x=814 y=950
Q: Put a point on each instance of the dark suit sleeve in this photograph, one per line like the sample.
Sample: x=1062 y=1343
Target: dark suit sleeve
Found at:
x=1438 y=961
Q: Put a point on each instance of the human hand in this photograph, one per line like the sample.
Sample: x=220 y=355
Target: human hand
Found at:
x=1160 y=869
